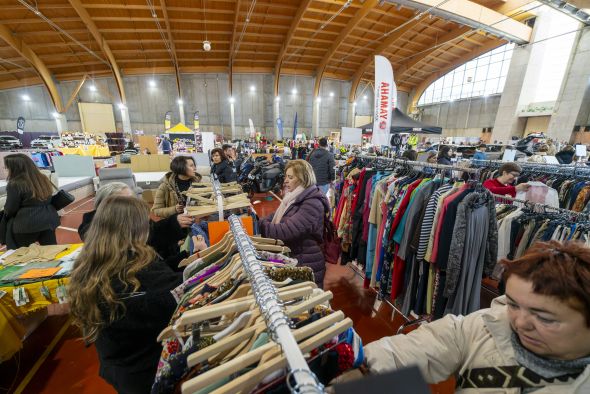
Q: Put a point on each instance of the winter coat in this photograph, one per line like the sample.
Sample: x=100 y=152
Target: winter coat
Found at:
x=322 y=162
x=302 y=230
x=163 y=237
x=127 y=348
x=454 y=344
x=224 y=171
x=23 y=214
x=166 y=197
x=444 y=160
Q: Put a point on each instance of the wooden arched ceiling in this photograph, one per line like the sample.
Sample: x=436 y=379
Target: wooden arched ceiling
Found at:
x=293 y=36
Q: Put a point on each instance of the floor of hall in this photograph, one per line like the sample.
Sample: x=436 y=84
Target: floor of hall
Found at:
x=54 y=359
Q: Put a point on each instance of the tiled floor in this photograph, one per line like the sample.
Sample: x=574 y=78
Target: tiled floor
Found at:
x=73 y=368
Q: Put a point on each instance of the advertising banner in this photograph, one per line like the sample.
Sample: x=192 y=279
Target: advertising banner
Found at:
x=280 y=127
x=167 y=120
x=20 y=125
x=385 y=97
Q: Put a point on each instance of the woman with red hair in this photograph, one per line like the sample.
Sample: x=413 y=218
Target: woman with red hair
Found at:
x=535 y=338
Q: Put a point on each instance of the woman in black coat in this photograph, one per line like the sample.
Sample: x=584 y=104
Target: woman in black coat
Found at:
x=29 y=216
x=120 y=296
x=444 y=156
x=222 y=168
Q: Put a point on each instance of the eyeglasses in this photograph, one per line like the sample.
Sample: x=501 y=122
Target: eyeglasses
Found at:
x=515 y=174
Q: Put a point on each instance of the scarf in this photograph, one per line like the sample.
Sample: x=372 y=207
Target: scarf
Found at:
x=546 y=367
x=286 y=203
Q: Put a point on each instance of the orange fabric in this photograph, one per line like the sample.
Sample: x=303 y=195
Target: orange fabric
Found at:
x=35 y=273
x=218 y=229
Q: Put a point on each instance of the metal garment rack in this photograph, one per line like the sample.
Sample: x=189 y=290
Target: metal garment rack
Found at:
x=421 y=164
x=542 y=207
x=577 y=171
x=219 y=197
x=273 y=311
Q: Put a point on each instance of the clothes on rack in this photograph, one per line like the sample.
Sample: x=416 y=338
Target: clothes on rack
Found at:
x=217 y=278
x=425 y=242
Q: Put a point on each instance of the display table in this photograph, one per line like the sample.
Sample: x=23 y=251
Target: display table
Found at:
x=11 y=329
x=87 y=150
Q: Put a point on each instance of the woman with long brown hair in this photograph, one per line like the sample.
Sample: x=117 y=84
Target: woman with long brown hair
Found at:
x=28 y=214
x=120 y=294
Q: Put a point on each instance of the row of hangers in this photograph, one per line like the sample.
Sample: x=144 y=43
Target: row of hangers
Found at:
x=270 y=307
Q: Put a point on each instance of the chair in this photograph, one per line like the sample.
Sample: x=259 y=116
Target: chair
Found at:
x=125 y=175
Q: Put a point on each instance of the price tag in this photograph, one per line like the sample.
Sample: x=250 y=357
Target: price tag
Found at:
x=20 y=296
x=44 y=290
x=62 y=294
x=2 y=293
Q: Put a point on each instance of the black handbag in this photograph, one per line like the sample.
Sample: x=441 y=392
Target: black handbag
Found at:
x=62 y=199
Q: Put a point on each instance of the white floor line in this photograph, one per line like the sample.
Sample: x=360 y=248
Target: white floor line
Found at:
x=75 y=230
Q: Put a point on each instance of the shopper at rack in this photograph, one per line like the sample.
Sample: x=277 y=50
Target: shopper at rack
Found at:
x=502 y=185
x=28 y=216
x=540 y=155
x=536 y=338
x=480 y=154
x=566 y=155
x=299 y=220
x=323 y=163
x=444 y=155
x=410 y=154
x=222 y=168
x=120 y=296
x=164 y=234
x=169 y=198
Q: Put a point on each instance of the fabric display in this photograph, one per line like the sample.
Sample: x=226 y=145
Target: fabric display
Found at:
x=207 y=351
x=35 y=262
x=424 y=242
x=44 y=159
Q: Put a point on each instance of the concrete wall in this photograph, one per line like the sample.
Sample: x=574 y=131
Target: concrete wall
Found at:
x=206 y=93
x=462 y=118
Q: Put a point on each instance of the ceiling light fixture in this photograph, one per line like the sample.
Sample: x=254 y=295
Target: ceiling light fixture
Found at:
x=232 y=100
x=180 y=102
x=152 y=83
x=122 y=106
x=331 y=94
x=252 y=88
x=294 y=91
x=354 y=104
x=206 y=45
x=55 y=115
x=92 y=88
x=318 y=100
x=278 y=98
x=26 y=97
x=365 y=97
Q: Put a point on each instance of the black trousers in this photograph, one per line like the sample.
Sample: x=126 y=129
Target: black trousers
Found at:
x=46 y=237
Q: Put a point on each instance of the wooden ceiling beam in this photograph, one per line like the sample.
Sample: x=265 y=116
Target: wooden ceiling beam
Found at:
x=367 y=6
x=231 y=47
x=172 y=47
x=489 y=46
x=386 y=43
x=287 y=41
x=31 y=57
x=104 y=46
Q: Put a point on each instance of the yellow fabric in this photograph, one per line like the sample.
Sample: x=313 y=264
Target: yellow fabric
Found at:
x=87 y=150
x=11 y=331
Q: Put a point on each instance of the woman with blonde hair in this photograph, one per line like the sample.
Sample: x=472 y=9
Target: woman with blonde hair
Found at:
x=299 y=220
x=120 y=294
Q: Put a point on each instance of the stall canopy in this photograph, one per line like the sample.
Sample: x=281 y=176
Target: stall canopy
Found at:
x=179 y=128
x=401 y=123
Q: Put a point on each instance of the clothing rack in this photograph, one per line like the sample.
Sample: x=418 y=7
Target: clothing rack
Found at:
x=578 y=171
x=219 y=196
x=273 y=311
x=543 y=207
x=422 y=164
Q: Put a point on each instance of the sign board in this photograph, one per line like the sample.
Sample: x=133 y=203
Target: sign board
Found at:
x=581 y=150
x=509 y=155
x=208 y=139
x=351 y=135
x=551 y=160
x=20 y=125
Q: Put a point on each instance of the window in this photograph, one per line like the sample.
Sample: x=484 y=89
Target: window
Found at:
x=482 y=76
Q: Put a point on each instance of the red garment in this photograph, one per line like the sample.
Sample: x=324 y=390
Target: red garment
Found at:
x=402 y=206
x=397 y=275
x=439 y=224
x=496 y=187
x=357 y=192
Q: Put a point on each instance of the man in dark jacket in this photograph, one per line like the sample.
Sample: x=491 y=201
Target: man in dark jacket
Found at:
x=323 y=163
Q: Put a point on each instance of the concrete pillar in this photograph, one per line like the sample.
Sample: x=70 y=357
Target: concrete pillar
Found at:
x=181 y=111
x=276 y=115
x=573 y=105
x=351 y=113
x=125 y=119
x=507 y=123
x=61 y=122
x=232 y=118
x=315 y=117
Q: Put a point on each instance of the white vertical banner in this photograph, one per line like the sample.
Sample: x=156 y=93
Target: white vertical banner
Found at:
x=252 y=130
x=385 y=97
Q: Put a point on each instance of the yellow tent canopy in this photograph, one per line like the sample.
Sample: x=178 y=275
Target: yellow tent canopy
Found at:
x=179 y=128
